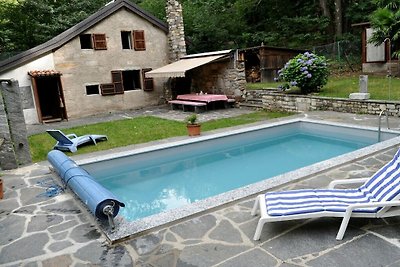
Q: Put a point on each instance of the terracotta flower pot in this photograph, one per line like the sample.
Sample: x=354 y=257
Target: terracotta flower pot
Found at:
x=194 y=129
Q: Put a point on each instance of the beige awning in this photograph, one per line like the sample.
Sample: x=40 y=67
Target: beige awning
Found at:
x=178 y=69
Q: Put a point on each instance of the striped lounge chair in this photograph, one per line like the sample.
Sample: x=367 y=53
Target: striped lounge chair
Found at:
x=377 y=197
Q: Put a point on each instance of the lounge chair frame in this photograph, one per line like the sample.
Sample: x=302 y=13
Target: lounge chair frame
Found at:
x=386 y=211
x=70 y=142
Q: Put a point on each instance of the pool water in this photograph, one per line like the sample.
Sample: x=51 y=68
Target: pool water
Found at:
x=155 y=181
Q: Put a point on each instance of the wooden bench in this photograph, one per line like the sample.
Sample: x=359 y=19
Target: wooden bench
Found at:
x=184 y=104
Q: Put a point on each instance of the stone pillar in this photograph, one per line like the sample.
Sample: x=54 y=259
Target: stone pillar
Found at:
x=7 y=156
x=363 y=83
x=17 y=135
x=176 y=33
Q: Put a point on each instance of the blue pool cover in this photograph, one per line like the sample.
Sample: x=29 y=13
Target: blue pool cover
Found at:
x=95 y=196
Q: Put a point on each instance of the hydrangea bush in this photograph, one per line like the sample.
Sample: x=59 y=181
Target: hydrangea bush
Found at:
x=307 y=71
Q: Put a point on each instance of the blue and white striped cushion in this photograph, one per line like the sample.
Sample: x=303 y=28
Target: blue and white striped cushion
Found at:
x=384 y=185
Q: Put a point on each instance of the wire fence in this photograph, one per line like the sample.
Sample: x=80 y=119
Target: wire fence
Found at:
x=343 y=55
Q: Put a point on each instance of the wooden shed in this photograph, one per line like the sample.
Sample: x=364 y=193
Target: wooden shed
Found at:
x=263 y=62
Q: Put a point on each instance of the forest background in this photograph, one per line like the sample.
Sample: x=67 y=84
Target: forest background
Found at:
x=209 y=24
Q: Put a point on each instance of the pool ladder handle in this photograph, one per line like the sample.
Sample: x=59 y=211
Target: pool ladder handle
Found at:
x=379 y=122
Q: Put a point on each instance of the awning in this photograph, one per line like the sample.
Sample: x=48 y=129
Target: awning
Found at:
x=178 y=69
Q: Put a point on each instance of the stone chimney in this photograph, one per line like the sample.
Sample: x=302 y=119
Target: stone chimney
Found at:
x=176 y=35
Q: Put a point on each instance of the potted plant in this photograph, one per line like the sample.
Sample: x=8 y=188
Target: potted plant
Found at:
x=193 y=127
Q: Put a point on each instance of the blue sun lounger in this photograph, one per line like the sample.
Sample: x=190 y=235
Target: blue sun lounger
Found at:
x=377 y=197
x=71 y=142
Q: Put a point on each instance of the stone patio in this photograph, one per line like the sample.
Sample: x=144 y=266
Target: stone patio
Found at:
x=37 y=230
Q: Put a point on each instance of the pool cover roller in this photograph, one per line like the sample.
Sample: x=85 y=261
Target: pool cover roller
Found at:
x=100 y=201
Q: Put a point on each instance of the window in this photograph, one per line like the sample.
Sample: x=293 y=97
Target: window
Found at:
x=86 y=41
x=139 y=42
x=148 y=82
x=93 y=41
x=127 y=80
x=131 y=80
x=92 y=89
x=126 y=38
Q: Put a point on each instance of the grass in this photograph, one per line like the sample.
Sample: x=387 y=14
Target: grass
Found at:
x=138 y=130
x=380 y=87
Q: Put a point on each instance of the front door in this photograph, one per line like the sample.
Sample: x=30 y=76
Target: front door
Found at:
x=49 y=98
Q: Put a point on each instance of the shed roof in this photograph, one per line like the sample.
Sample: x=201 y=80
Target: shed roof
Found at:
x=77 y=29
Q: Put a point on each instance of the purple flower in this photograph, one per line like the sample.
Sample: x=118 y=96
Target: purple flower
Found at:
x=294 y=83
x=309 y=75
x=303 y=68
x=300 y=60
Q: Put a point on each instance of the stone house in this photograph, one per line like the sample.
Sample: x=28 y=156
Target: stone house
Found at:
x=98 y=65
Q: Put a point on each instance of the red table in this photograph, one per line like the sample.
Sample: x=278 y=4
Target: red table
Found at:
x=208 y=98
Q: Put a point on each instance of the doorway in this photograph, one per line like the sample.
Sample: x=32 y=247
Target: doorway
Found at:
x=49 y=98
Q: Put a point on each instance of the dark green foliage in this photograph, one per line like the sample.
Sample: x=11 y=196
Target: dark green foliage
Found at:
x=209 y=24
x=27 y=23
x=386 y=23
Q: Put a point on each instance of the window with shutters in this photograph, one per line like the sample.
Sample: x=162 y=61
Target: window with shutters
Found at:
x=127 y=80
x=139 y=41
x=93 y=41
x=148 y=83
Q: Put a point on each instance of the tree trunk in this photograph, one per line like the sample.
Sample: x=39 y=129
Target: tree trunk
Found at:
x=338 y=18
x=324 y=7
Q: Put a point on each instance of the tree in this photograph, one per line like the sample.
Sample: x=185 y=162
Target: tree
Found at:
x=27 y=23
x=386 y=23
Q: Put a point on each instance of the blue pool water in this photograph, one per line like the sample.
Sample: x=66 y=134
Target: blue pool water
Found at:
x=155 y=181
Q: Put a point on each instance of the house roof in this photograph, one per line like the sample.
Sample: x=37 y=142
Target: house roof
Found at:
x=74 y=31
x=179 y=68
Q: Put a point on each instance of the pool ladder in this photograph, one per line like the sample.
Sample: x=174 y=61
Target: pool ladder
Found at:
x=379 y=122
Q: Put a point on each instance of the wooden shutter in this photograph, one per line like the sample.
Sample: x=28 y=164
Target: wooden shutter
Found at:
x=148 y=82
x=107 y=89
x=99 y=42
x=116 y=77
x=138 y=41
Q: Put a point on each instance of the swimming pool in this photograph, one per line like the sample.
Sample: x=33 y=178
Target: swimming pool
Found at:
x=169 y=177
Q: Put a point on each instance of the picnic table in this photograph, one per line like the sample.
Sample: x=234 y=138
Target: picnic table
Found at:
x=208 y=98
x=198 y=101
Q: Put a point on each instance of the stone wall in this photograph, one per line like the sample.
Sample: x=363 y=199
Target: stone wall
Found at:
x=272 y=100
x=14 y=146
x=219 y=78
x=176 y=34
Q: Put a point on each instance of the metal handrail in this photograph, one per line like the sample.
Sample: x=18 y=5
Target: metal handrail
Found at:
x=379 y=123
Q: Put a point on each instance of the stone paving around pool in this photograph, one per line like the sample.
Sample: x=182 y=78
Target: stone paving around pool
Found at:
x=38 y=230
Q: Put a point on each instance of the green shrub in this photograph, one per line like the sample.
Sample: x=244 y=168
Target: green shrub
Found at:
x=307 y=71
